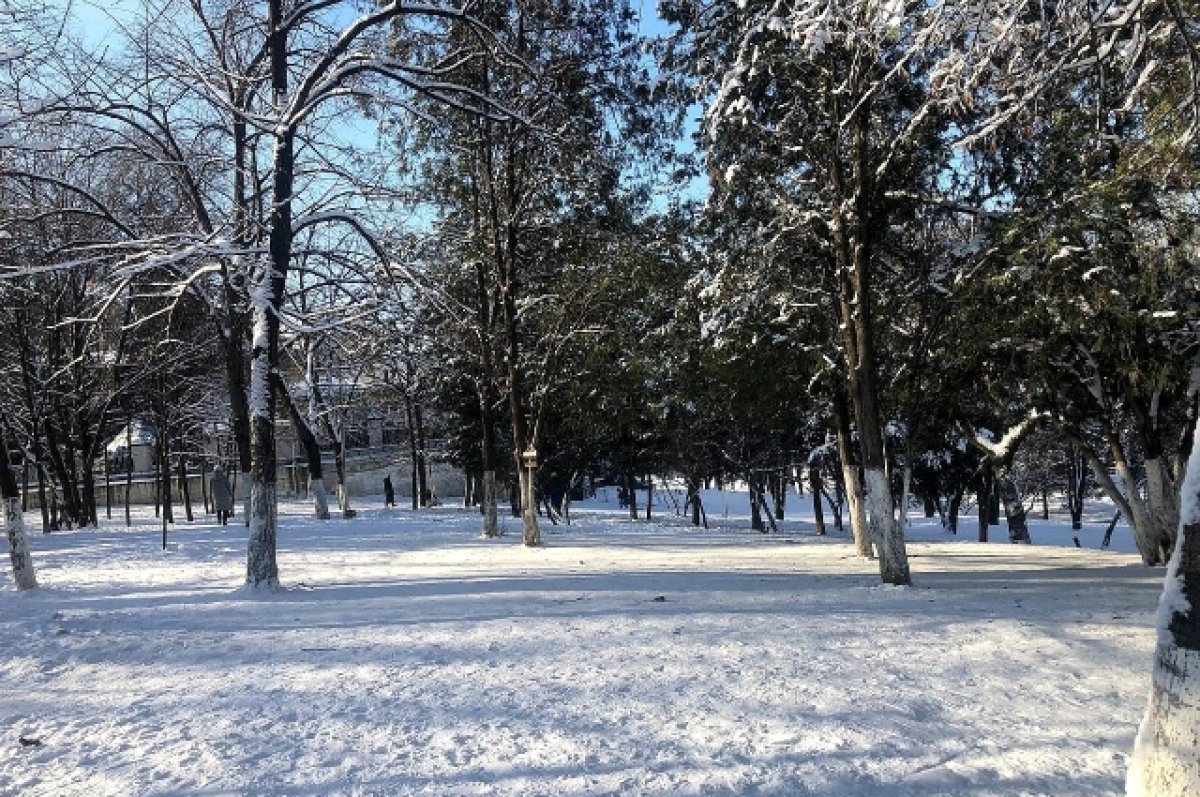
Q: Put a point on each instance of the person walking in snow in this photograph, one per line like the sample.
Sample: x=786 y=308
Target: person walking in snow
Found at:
x=222 y=495
x=389 y=492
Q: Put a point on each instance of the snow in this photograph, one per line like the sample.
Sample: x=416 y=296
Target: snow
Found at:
x=410 y=657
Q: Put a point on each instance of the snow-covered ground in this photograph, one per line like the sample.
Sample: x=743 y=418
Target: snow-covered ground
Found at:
x=410 y=657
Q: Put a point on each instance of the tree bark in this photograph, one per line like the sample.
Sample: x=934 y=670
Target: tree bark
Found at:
x=413 y=462
x=1162 y=500
x=262 y=568
x=14 y=523
x=1014 y=507
x=107 y=488
x=631 y=496
x=514 y=498
x=955 y=504
x=986 y=488
x=1076 y=485
x=204 y=486
x=422 y=457
x=851 y=232
x=184 y=490
x=1150 y=543
x=756 y=521
x=128 y=472
x=779 y=494
x=649 y=496
x=312 y=450
x=1166 y=758
x=905 y=491
x=693 y=499
x=491 y=527
x=854 y=499
x=814 y=483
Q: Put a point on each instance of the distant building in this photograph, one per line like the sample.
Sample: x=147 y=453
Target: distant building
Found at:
x=141 y=436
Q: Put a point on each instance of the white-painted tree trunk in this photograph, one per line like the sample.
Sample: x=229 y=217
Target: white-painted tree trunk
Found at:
x=261 y=567
x=490 y=527
x=18 y=545
x=904 y=497
x=532 y=534
x=858 y=513
x=1166 y=757
x=320 y=496
x=887 y=534
x=1141 y=522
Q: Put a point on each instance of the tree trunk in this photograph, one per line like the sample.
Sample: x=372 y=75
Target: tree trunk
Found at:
x=854 y=499
x=631 y=496
x=89 y=504
x=905 y=491
x=851 y=227
x=343 y=476
x=756 y=521
x=312 y=450
x=1076 y=485
x=779 y=495
x=837 y=501
x=814 y=483
x=514 y=498
x=1108 y=531
x=1014 y=507
x=986 y=489
x=522 y=443
x=531 y=534
x=14 y=523
x=1162 y=501
x=693 y=500
x=413 y=462
x=952 y=511
x=1150 y=543
x=107 y=488
x=649 y=497
x=1166 y=758
x=43 y=499
x=487 y=403
x=184 y=490
x=422 y=457
x=262 y=568
x=239 y=411
x=491 y=527
x=164 y=480
x=204 y=486
x=128 y=472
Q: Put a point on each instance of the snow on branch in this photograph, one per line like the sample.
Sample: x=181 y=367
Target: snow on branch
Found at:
x=1006 y=446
